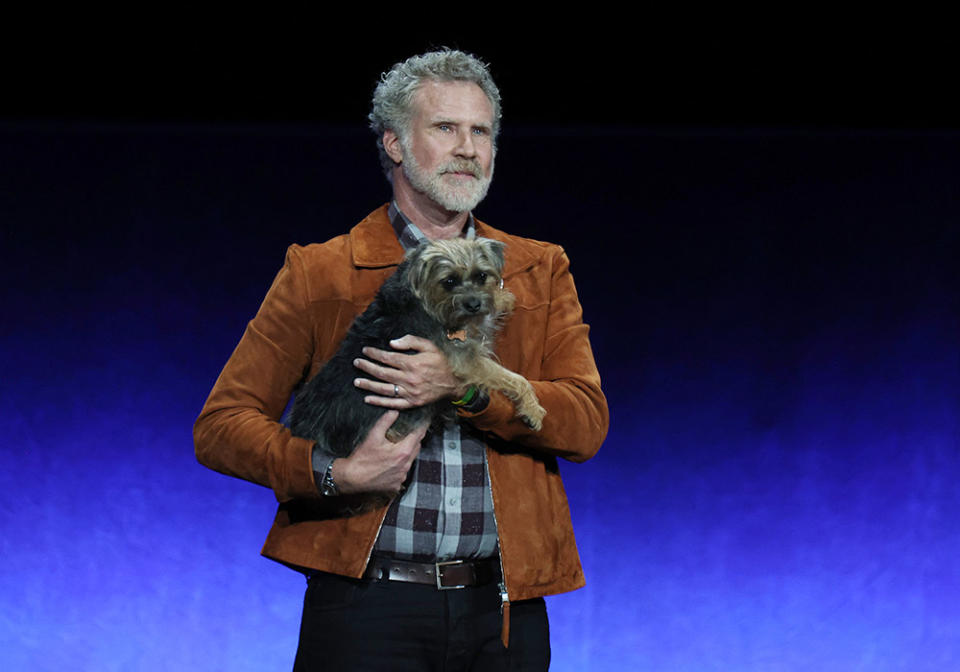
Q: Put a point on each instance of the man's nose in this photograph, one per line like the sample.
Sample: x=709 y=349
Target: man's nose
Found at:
x=465 y=145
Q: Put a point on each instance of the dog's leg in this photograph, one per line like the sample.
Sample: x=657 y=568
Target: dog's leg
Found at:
x=405 y=423
x=487 y=373
x=398 y=430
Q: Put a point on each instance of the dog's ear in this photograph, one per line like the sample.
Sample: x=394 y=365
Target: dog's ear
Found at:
x=494 y=249
x=415 y=267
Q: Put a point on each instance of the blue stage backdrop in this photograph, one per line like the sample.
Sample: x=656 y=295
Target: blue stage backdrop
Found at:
x=774 y=314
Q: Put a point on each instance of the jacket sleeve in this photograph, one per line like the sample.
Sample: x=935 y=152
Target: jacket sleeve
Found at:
x=568 y=387
x=238 y=432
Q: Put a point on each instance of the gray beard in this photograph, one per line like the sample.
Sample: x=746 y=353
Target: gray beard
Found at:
x=449 y=198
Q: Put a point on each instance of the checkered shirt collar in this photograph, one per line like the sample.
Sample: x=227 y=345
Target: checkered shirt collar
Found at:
x=410 y=235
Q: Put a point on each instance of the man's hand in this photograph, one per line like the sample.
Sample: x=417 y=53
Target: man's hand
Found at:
x=408 y=380
x=377 y=465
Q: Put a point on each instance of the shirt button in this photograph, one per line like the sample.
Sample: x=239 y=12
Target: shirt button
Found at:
x=452 y=444
x=453 y=500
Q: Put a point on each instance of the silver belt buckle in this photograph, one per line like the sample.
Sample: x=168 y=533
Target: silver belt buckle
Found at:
x=439 y=565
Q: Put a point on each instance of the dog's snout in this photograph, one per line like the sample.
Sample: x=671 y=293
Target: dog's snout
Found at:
x=472 y=304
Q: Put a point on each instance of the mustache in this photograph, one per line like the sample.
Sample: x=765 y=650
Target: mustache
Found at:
x=462 y=166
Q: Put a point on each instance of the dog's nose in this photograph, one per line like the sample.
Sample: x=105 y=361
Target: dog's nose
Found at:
x=472 y=304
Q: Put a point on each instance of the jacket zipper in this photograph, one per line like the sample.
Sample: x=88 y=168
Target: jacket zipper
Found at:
x=504 y=596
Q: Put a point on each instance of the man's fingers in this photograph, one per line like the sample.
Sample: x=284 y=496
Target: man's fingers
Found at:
x=411 y=342
x=391 y=359
x=388 y=402
x=383 y=394
x=386 y=420
x=377 y=387
x=384 y=373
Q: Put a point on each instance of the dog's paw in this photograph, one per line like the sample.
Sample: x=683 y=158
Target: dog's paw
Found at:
x=398 y=431
x=535 y=425
x=532 y=416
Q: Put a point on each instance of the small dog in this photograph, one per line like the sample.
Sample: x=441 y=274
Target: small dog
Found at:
x=449 y=292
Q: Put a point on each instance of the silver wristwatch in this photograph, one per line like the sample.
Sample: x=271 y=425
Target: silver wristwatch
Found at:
x=328 y=488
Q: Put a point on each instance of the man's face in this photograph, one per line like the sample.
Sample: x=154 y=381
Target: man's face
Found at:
x=448 y=150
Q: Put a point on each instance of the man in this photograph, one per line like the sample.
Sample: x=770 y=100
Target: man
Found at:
x=451 y=574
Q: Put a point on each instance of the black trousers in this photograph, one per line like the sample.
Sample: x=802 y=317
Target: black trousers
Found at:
x=367 y=626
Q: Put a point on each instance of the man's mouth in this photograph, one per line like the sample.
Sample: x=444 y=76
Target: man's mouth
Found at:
x=462 y=171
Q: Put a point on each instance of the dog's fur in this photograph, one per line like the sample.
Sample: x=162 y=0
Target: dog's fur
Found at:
x=449 y=292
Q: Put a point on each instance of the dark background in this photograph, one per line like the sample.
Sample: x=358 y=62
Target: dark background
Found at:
x=763 y=229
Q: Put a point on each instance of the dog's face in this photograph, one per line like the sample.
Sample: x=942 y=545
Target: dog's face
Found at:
x=459 y=281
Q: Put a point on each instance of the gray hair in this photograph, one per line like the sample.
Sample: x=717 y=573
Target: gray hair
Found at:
x=393 y=97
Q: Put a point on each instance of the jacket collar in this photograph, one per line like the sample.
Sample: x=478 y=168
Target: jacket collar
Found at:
x=374 y=244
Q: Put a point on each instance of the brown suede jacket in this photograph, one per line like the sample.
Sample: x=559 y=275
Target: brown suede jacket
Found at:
x=306 y=313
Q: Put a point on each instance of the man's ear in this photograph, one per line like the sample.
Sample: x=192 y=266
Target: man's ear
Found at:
x=391 y=145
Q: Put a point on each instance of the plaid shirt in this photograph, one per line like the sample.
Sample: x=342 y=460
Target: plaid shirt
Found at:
x=446 y=510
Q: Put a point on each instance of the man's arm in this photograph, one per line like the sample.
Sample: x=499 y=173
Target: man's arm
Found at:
x=238 y=432
x=568 y=386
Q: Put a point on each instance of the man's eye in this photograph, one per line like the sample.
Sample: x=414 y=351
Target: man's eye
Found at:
x=444 y=127
x=480 y=131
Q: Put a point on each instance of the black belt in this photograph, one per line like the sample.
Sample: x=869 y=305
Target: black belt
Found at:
x=443 y=575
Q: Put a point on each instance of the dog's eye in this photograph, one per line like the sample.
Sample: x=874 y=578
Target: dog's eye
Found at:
x=451 y=282
x=480 y=277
